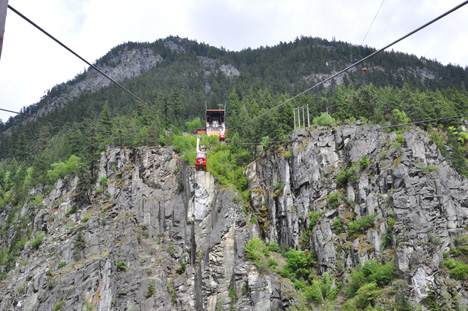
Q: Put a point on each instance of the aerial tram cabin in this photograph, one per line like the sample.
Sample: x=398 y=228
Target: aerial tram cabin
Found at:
x=200 y=161
x=215 y=123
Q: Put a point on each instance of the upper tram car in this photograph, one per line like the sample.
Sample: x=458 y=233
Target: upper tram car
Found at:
x=215 y=123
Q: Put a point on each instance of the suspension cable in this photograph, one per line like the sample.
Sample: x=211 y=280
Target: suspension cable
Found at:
x=357 y=63
x=379 y=128
x=55 y=121
x=92 y=66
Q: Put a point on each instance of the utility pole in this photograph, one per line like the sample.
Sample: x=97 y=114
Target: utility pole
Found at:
x=303 y=116
x=294 y=114
x=3 y=11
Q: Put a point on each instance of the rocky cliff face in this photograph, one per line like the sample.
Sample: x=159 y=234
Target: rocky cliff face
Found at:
x=160 y=236
x=419 y=204
x=157 y=236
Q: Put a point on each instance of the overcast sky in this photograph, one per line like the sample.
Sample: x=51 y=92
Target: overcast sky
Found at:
x=31 y=63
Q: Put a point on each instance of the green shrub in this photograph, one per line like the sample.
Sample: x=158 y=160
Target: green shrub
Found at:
x=371 y=271
x=171 y=290
x=89 y=306
x=346 y=175
x=279 y=186
x=62 y=264
x=150 y=291
x=257 y=251
x=181 y=269
x=397 y=146
x=458 y=269
x=37 y=241
x=313 y=218
x=272 y=263
x=334 y=200
x=323 y=119
x=252 y=249
x=380 y=274
x=364 y=162
x=321 y=288
x=58 y=306
x=400 y=139
x=233 y=295
x=299 y=264
x=85 y=218
x=361 y=224
x=61 y=169
x=193 y=125
x=366 y=295
x=338 y=225
x=433 y=238
x=71 y=211
x=122 y=265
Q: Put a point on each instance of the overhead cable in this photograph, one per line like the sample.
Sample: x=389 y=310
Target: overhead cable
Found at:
x=357 y=63
x=378 y=11
x=379 y=128
x=91 y=65
x=54 y=120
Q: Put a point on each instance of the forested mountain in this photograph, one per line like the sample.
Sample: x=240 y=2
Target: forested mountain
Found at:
x=179 y=77
x=61 y=157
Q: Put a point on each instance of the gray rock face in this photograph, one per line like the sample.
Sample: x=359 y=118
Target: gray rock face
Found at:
x=162 y=236
x=427 y=206
x=159 y=237
x=126 y=64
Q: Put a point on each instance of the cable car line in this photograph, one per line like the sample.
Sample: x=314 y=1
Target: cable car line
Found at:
x=379 y=128
x=388 y=21
x=92 y=66
x=55 y=121
x=378 y=11
x=358 y=62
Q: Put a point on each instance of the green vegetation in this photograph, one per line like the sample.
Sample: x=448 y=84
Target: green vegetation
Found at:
x=181 y=269
x=257 y=251
x=71 y=211
x=370 y=273
x=323 y=119
x=172 y=292
x=458 y=269
x=62 y=264
x=89 y=306
x=122 y=265
x=346 y=175
x=334 y=200
x=338 y=225
x=36 y=243
x=361 y=224
x=150 y=291
x=364 y=162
